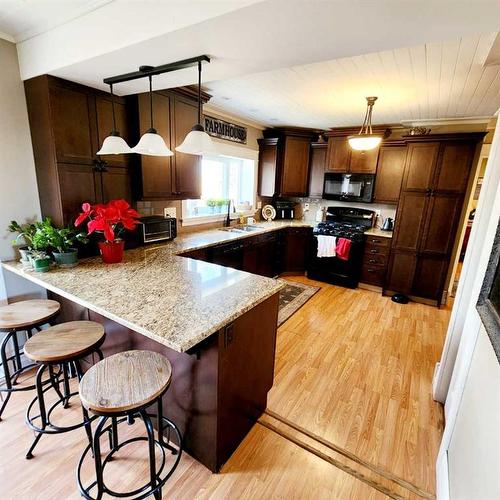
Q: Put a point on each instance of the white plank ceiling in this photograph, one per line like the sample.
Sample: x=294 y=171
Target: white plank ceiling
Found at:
x=430 y=81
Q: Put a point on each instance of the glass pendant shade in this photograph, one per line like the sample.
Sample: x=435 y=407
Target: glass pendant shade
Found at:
x=152 y=144
x=366 y=139
x=364 y=142
x=114 y=145
x=197 y=142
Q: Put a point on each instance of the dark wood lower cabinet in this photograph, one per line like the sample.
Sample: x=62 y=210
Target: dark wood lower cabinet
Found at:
x=219 y=388
x=296 y=249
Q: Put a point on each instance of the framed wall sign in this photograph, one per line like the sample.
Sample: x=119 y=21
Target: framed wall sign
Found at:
x=225 y=130
x=488 y=304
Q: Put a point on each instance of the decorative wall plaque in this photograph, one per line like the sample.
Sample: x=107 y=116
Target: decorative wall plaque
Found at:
x=225 y=130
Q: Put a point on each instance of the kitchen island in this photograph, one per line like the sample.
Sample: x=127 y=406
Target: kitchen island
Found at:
x=216 y=325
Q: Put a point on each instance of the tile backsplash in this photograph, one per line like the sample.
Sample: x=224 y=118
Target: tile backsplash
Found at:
x=315 y=204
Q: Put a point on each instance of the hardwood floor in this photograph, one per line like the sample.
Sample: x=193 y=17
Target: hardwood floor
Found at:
x=355 y=416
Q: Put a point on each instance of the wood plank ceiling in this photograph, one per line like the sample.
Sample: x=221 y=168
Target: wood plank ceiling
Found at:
x=431 y=81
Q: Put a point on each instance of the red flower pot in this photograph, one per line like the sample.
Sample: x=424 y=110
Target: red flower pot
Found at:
x=111 y=251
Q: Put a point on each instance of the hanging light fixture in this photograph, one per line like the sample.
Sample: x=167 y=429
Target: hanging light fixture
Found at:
x=366 y=139
x=114 y=144
x=197 y=141
x=151 y=143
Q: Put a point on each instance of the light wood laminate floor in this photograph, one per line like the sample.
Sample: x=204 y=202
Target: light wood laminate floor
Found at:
x=353 y=370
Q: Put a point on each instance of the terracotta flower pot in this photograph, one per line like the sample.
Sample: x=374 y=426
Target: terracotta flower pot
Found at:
x=111 y=251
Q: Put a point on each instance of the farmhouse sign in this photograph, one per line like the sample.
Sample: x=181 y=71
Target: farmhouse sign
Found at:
x=225 y=130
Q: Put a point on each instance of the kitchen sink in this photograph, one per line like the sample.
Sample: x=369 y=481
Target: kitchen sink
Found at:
x=245 y=228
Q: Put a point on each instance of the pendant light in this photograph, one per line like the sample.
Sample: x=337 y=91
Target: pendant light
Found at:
x=198 y=142
x=114 y=144
x=151 y=143
x=366 y=139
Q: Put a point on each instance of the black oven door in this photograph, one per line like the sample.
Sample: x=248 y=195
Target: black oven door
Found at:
x=349 y=187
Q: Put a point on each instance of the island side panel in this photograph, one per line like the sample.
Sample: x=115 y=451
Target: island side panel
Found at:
x=247 y=350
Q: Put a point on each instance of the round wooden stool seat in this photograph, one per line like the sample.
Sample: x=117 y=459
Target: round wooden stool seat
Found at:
x=27 y=313
x=64 y=341
x=125 y=381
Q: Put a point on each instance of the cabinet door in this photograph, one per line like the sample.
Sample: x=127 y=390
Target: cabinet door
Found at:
x=74 y=125
x=104 y=112
x=268 y=157
x=116 y=184
x=442 y=218
x=156 y=170
x=390 y=169
x=338 y=155
x=363 y=162
x=295 y=169
x=187 y=168
x=420 y=166
x=430 y=275
x=317 y=170
x=296 y=249
x=410 y=221
x=454 y=167
x=250 y=258
x=78 y=184
x=401 y=272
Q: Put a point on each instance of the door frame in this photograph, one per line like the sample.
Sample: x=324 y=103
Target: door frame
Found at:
x=452 y=371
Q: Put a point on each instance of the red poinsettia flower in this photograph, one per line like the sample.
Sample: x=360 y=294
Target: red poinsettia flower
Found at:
x=109 y=218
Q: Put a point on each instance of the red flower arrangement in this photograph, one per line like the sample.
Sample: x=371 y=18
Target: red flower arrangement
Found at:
x=110 y=219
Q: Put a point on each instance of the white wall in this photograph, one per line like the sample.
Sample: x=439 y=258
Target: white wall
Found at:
x=18 y=189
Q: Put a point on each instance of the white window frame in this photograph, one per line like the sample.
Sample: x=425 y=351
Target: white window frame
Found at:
x=225 y=149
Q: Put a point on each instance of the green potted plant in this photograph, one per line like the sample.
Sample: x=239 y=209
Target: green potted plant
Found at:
x=211 y=203
x=26 y=232
x=62 y=241
x=39 y=257
x=221 y=203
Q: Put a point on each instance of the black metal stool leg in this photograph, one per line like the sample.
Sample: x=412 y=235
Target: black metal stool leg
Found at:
x=55 y=382
x=152 y=459
x=67 y=392
x=6 y=371
x=97 y=457
x=17 y=355
x=41 y=404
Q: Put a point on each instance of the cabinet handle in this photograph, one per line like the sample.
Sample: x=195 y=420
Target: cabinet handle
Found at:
x=228 y=335
x=371 y=270
x=372 y=261
x=374 y=251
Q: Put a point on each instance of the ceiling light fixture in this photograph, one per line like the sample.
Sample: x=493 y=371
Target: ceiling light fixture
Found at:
x=366 y=139
x=151 y=143
x=114 y=144
x=197 y=141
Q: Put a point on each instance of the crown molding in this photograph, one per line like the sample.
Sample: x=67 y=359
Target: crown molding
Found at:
x=210 y=108
x=467 y=120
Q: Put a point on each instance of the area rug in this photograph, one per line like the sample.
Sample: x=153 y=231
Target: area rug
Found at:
x=293 y=297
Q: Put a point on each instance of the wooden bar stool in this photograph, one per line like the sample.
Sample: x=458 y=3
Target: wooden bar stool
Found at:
x=26 y=316
x=121 y=388
x=61 y=345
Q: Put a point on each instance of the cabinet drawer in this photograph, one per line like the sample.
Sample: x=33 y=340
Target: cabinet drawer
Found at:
x=379 y=241
x=374 y=275
x=376 y=259
x=371 y=249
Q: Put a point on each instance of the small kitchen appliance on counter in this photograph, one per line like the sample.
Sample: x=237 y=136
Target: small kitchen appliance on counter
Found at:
x=285 y=209
x=341 y=222
x=152 y=229
x=388 y=224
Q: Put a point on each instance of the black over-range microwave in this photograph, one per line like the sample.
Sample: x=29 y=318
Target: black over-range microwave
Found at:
x=349 y=187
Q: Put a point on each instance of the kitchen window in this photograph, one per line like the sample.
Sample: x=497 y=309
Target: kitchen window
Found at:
x=223 y=178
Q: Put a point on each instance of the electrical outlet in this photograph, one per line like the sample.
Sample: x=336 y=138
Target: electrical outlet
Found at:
x=259 y=205
x=378 y=212
x=170 y=212
x=306 y=207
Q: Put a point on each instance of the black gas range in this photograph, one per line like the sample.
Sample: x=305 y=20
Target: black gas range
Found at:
x=341 y=222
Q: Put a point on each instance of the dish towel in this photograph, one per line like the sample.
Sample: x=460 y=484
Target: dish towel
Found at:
x=343 y=248
x=326 y=246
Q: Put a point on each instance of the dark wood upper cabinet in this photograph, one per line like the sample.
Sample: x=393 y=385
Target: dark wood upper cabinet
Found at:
x=116 y=184
x=284 y=162
x=390 y=170
x=104 y=111
x=73 y=123
x=454 y=167
x=295 y=172
x=338 y=155
x=186 y=168
x=420 y=165
x=342 y=158
x=156 y=170
x=268 y=164
x=317 y=166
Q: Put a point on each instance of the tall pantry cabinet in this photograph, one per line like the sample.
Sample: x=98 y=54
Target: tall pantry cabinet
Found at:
x=435 y=180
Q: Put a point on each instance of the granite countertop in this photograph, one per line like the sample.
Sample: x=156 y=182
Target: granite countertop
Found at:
x=375 y=231
x=173 y=300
